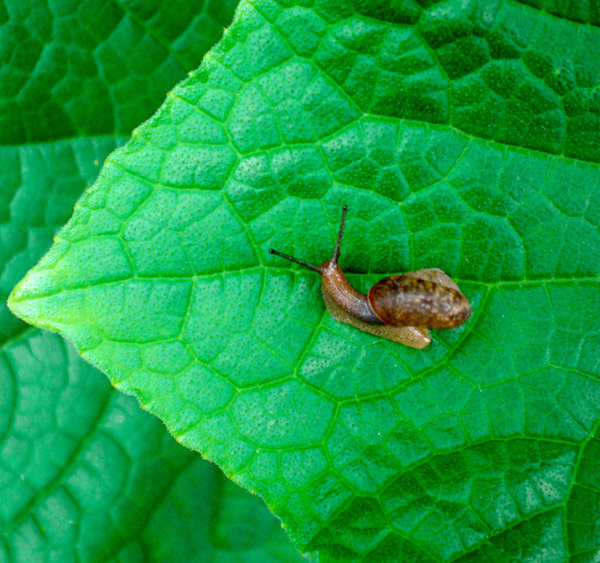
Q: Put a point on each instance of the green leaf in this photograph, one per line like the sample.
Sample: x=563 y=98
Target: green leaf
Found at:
x=462 y=135
x=99 y=67
x=88 y=476
x=85 y=474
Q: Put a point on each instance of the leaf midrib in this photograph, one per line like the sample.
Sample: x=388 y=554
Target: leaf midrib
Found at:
x=296 y=271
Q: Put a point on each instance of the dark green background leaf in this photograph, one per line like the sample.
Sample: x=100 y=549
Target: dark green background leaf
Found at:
x=85 y=474
x=462 y=135
x=72 y=68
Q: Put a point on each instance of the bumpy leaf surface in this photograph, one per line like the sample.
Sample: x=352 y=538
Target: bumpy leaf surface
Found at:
x=85 y=474
x=462 y=135
x=83 y=68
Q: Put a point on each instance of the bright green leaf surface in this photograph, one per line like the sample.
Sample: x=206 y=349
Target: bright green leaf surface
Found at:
x=85 y=474
x=461 y=135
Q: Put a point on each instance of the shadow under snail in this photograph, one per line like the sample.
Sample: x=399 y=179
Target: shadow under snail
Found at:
x=400 y=308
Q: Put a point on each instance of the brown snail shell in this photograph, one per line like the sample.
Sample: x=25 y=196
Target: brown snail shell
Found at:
x=410 y=300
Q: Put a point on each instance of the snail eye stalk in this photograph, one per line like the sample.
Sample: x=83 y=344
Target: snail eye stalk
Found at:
x=338 y=244
x=295 y=260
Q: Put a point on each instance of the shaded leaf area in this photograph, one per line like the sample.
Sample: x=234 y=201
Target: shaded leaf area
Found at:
x=96 y=67
x=583 y=12
x=86 y=475
x=461 y=136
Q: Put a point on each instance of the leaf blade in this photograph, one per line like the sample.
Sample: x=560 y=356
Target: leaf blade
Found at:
x=288 y=126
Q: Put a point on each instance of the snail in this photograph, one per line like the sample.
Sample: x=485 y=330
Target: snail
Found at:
x=400 y=308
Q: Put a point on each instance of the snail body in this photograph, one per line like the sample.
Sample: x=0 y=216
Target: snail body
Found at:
x=399 y=307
